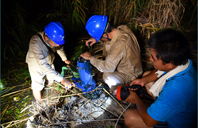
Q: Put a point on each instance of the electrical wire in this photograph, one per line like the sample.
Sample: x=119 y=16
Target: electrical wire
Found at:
x=121 y=115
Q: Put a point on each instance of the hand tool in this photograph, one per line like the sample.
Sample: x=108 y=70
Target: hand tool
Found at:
x=123 y=91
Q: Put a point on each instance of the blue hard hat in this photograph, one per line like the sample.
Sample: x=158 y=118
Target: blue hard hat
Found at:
x=95 y=26
x=55 y=31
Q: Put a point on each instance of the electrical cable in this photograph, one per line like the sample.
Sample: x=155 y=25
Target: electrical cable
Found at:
x=121 y=115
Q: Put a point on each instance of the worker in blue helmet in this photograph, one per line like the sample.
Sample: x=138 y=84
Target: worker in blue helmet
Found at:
x=40 y=57
x=121 y=50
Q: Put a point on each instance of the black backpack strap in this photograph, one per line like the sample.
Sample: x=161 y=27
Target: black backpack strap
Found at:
x=45 y=43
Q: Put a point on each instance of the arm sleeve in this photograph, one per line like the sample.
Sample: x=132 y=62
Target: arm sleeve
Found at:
x=42 y=62
x=167 y=105
x=111 y=61
x=61 y=53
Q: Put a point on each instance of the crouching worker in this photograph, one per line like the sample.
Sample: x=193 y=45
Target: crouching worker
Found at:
x=174 y=88
x=121 y=50
x=40 y=57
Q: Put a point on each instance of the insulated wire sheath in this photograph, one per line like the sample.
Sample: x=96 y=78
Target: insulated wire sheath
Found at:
x=121 y=115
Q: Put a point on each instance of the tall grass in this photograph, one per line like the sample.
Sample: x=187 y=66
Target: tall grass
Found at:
x=13 y=29
x=118 y=11
x=143 y=16
x=71 y=13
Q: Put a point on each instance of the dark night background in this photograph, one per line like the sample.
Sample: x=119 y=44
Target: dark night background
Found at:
x=21 y=19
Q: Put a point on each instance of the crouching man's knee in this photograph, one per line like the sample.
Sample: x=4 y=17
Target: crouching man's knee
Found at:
x=129 y=117
x=132 y=119
x=113 y=79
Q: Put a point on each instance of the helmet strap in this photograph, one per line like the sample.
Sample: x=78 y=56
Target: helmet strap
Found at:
x=107 y=37
x=48 y=42
x=48 y=39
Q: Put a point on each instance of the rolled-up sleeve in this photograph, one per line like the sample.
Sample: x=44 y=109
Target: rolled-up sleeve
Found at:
x=61 y=53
